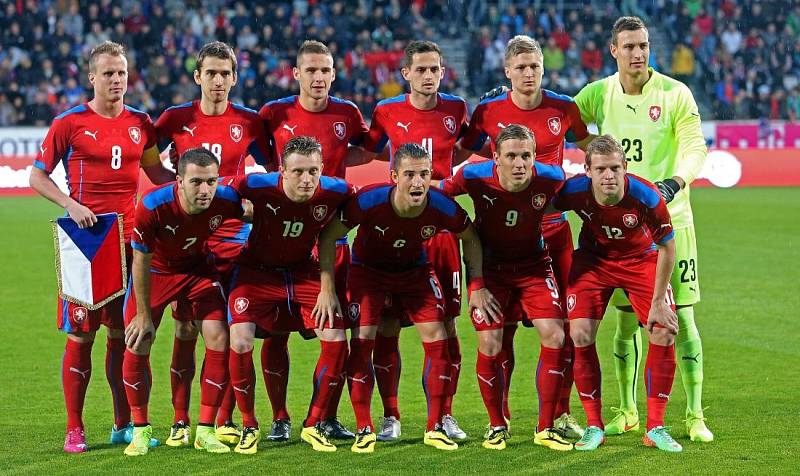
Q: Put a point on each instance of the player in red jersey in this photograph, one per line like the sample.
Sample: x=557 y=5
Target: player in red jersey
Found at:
x=510 y=195
x=231 y=132
x=338 y=125
x=290 y=210
x=101 y=144
x=173 y=223
x=395 y=220
x=553 y=118
x=436 y=121
x=625 y=220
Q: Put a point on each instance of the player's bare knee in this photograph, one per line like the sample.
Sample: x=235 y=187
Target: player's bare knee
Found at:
x=143 y=348
x=115 y=333
x=82 y=337
x=551 y=333
x=389 y=326
x=185 y=330
x=241 y=338
x=581 y=335
x=450 y=327
x=490 y=343
x=431 y=331
x=331 y=335
x=662 y=336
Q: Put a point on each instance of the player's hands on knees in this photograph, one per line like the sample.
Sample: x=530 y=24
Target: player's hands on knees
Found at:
x=326 y=309
x=664 y=316
x=247 y=206
x=81 y=215
x=138 y=331
x=484 y=302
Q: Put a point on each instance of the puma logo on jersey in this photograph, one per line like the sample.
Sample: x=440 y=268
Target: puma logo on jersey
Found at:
x=404 y=126
x=189 y=130
x=381 y=230
x=501 y=125
x=590 y=396
x=93 y=135
x=141 y=235
x=290 y=129
x=42 y=149
x=82 y=373
x=218 y=385
x=488 y=382
x=173 y=229
x=274 y=210
x=587 y=214
x=489 y=199
x=631 y=108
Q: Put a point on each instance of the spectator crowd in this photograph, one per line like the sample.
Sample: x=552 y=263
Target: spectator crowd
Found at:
x=740 y=58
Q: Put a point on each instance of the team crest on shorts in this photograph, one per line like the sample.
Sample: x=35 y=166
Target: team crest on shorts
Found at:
x=450 y=124
x=79 y=314
x=571 y=300
x=654 y=112
x=240 y=304
x=630 y=220
x=214 y=222
x=340 y=129
x=478 y=317
x=236 y=132
x=136 y=134
x=320 y=212
x=554 y=124
x=539 y=201
x=427 y=231
x=354 y=310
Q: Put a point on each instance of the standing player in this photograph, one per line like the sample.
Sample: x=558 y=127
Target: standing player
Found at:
x=101 y=144
x=231 y=132
x=336 y=124
x=436 y=121
x=173 y=223
x=624 y=221
x=552 y=118
x=389 y=261
x=510 y=195
x=656 y=120
x=290 y=210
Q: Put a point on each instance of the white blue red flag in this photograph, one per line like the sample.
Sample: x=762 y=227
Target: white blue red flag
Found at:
x=90 y=262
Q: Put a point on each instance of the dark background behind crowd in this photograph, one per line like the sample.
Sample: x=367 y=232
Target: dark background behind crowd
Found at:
x=740 y=58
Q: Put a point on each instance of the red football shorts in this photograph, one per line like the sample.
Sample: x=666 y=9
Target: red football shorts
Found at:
x=71 y=317
x=533 y=285
x=257 y=293
x=558 y=238
x=444 y=254
x=417 y=293
x=199 y=297
x=593 y=279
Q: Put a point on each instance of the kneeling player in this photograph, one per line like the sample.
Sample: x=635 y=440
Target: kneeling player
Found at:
x=290 y=208
x=388 y=260
x=510 y=195
x=624 y=221
x=172 y=225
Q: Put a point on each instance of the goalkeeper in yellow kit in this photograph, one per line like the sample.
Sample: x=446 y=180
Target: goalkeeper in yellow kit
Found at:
x=655 y=118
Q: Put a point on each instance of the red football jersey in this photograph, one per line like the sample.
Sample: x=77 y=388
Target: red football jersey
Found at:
x=398 y=122
x=176 y=238
x=101 y=157
x=231 y=136
x=387 y=242
x=509 y=223
x=337 y=126
x=284 y=232
x=557 y=118
x=625 y=230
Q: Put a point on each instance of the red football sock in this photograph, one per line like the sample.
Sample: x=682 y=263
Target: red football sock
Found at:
x=659 y=372
x=567 y=359
x=454 y=348
x=243 y=379
x=76 y=369
x=387 y=372
x=181 y=374
x=436 y=379
x=137 y=379
x=490 y=383
x=115 y=354
x=336 y=390
x=587 y=380
x=360 y=380
x=275 y=366
x=549 y=374
x=213 y=385
x=506 y=359
x=225 y=411
x=326 y=378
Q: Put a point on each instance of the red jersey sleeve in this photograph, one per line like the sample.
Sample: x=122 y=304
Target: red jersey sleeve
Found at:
x=54 y=147
x=259 y=147
x=144 y=229
x=659 y=222
x=149 y=130
x=459 y=221
x=455 y=185
x=352 y=214
x=359 y=128
x=164 y=129
x=577 y=129
x=474 y=137
x=376 y=138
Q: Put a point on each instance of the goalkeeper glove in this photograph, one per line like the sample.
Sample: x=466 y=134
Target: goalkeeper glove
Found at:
x=493 y=93
x=668 y=188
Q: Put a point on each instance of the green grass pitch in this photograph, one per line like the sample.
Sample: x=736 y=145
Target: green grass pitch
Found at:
x=749 y=256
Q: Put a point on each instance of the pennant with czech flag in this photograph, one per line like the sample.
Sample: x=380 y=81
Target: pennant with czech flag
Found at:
x=90 y=262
